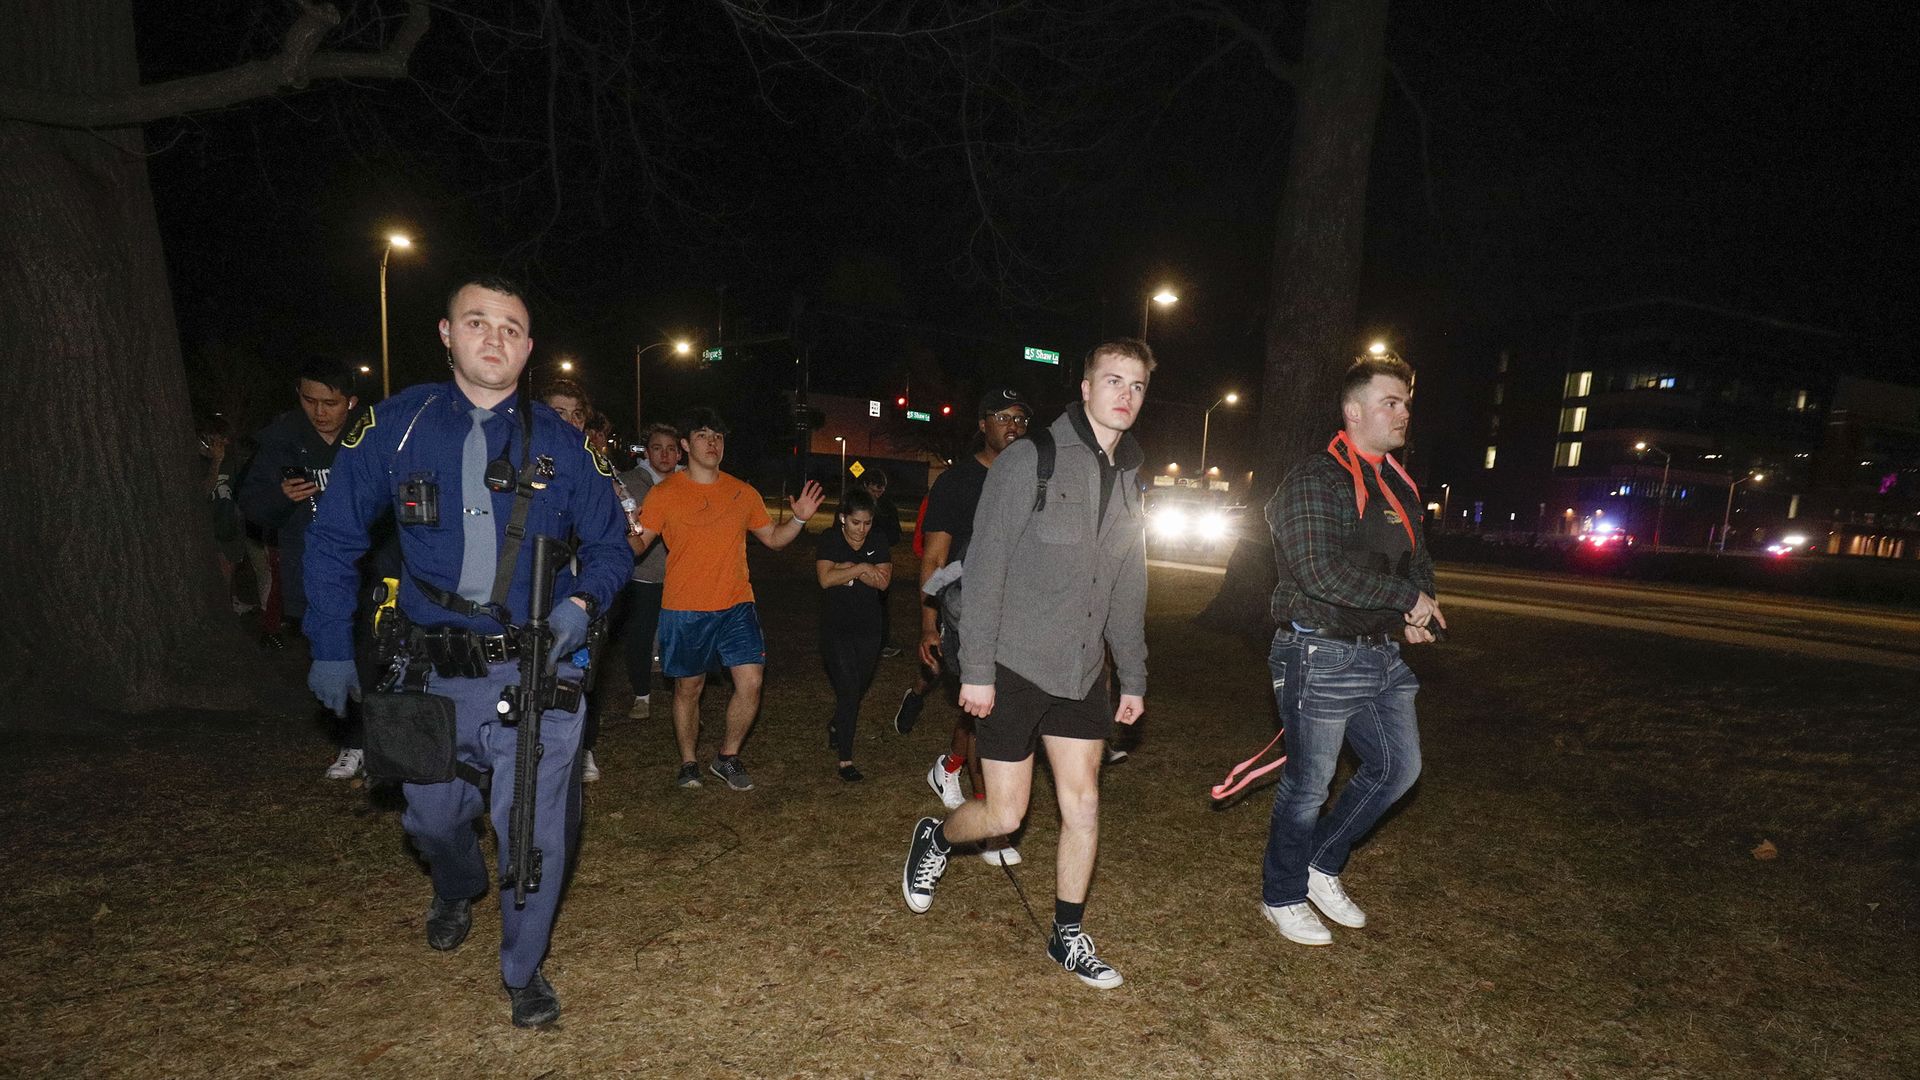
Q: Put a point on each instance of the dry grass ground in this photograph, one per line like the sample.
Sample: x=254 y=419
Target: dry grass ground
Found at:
x=1569 y=892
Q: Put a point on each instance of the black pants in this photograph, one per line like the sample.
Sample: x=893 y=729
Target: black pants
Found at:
x=637 y=627
x=850 y=658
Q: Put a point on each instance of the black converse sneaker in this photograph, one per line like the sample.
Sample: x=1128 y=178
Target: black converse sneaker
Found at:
x=1072 y=949
x=925 y=864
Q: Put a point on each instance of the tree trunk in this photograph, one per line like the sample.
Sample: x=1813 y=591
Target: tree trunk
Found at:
x=1316 y=269
x=106 y=559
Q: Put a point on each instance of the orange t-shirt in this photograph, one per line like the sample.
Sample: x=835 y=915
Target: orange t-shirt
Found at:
x=705 y=528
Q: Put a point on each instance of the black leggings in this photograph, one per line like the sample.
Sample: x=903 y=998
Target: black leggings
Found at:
x=850 y=659
x=637 y=627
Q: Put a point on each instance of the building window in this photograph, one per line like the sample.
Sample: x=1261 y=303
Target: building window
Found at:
x=1567 y=455
x=1665 y=382
x=1800 y=402
x=1579 y=383
x=1491 y=451
x=1499 y=393
x=1573 y=420
x=1504 y=356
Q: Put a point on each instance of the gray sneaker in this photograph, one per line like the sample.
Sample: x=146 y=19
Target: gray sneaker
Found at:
x=728 y=768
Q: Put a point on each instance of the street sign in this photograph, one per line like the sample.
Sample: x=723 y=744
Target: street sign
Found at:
x=710 y=356
x=915 y=414
x=1043 y=356
x=856 y=469
x=873 y=408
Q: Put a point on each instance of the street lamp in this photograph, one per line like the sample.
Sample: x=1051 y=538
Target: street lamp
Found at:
x=843 y=467
x=1164 y=297
x=394 y=240
x=681 y=347
x=1446 y=500
x=566 y=366
x=1378 y=348
x=1205 y=422
x=1660 y=511
x=1726 y=519
x=365 y=370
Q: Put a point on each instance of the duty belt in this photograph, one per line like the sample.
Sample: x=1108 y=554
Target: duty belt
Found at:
x=456 y=652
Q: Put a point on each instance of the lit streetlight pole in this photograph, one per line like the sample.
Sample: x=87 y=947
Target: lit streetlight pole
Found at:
x=1660 y=510
x=394 y=240
x=1446 y=500
x=843 y=466
x=1164 y=298
x=681 y=347
x=1205 y=424
x=1726 y=519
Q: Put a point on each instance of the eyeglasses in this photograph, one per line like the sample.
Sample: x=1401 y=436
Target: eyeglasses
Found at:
x=1011 y=419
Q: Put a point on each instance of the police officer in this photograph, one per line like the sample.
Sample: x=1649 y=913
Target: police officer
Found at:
x=445 y=458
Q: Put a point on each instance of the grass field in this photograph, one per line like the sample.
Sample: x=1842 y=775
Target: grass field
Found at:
x=1571 y=891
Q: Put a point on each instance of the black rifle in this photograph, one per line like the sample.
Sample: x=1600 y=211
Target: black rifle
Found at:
x=520 y=707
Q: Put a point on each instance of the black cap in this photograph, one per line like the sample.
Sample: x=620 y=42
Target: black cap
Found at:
x=1005 y=397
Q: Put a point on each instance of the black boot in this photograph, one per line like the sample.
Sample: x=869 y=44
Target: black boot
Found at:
x=448 y=922
x=535 y=1003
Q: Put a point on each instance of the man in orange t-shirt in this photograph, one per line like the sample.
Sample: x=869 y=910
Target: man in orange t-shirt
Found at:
x=706 y=610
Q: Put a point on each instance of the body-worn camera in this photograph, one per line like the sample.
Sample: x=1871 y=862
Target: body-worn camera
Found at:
x=419 y=501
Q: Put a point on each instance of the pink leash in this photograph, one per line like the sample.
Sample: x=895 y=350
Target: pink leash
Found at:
x=1237 y=777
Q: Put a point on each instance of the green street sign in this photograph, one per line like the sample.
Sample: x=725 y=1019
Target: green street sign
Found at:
x=1044 y=356
x=915 y=414
x=710 y=356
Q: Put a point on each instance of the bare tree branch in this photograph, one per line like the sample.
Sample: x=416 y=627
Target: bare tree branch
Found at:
x=299 y=62
x=1220 y=14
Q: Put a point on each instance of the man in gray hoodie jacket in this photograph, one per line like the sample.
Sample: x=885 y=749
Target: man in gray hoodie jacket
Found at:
x=1052 y=583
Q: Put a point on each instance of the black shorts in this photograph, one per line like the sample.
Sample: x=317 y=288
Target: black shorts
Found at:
x=1022 y=712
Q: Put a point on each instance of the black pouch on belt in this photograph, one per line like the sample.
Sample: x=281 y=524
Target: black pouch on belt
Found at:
x=410 y=737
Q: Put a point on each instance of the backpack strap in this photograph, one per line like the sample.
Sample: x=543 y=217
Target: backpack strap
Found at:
x=1042 y=466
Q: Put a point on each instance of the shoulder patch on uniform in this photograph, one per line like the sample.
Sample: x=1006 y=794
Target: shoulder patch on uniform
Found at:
x=599 y=459
x=360 y=428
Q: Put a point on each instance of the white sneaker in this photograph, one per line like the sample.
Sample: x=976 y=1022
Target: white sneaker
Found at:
x=1298 y=924
x=347 y=765
x=591 y=772
x=1003 y=856
x=642 y=707
x=945 y=784
x=1332 y=900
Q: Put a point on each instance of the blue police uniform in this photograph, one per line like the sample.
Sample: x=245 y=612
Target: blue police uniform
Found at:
x=433 y=433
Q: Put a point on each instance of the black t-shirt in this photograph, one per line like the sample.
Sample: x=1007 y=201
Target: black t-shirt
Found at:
x=951 y=503
x=855 y=606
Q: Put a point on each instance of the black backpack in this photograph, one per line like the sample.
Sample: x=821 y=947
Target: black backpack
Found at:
x=1042 y=465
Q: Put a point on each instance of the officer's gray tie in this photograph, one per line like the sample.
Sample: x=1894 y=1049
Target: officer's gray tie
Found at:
x=480 y=550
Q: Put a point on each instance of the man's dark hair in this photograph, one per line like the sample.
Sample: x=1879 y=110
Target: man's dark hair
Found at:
x=599 y=421
x=1364 y=368
x=875 y=475
x=1130 y=348
x=490 y=282
x=566 y=388
x=327 y=371
x=856 y=500
x=702 y=417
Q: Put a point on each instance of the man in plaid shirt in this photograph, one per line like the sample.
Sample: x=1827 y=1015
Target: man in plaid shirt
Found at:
x=1355 y=580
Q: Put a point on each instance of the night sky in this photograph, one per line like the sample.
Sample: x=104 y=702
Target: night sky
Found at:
x=1752 y=155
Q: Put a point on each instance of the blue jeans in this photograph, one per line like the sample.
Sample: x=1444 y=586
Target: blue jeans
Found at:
x=1329 y=692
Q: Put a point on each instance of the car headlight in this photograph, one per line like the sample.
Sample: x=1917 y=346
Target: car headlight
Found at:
x=1170 y=524
x=1213 y=528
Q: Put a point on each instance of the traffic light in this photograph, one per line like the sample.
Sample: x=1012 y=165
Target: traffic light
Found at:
x=946 y=410
x=901 y=401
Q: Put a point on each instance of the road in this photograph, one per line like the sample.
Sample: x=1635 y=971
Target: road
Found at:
x=1819 y=628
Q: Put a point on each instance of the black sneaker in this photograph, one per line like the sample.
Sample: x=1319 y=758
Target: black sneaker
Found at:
x=728 y=768
x=889 y=651
x=909 y=712
x=688 y=776
x=448 y=922
x=852 y=774
x=1072 y=949
x=925 y=863
x=535 y=1003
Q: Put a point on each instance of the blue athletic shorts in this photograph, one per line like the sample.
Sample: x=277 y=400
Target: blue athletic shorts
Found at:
x=690 y=641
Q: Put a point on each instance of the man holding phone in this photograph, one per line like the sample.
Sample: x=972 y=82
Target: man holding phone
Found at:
x=282 y=488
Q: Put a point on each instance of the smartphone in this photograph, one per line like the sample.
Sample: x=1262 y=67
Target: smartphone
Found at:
x=294 y=472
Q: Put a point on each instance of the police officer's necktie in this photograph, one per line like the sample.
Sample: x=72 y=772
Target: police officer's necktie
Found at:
x=481 y=548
